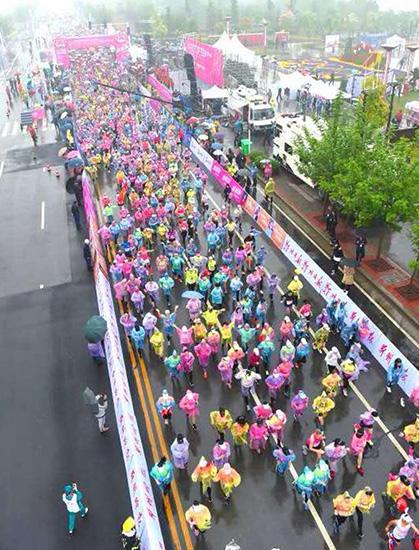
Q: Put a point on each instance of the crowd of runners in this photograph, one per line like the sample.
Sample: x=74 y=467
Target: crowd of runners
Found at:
x=199 y=301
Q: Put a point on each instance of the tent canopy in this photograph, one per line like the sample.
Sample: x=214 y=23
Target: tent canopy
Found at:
x=232 y=48
x=412 y=106
x=214 y=93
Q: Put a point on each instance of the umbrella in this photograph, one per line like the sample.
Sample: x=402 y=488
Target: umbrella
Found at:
x=350 y=262
x=203 y=137
x=89 y=396
x=191 y=294
x=192 y=120
x=216 y=145
x=218 y=153
x=73 y=163
x=72 y=154
x=95 y=329
x=219 y=136
x=62 y=151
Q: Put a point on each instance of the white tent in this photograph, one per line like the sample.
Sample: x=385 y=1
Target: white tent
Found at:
x=233 y=49
x=223 y=43
x=294 y=81
x=323 y=90
x=214 y=93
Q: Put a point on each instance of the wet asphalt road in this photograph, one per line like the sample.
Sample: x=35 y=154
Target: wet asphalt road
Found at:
x=49 y=437
x=265 y=512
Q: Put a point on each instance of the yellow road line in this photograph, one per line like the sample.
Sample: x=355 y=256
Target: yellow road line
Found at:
x=156 y=456
x=160 y=436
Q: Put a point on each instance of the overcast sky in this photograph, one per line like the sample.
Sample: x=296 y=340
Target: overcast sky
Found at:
x=8 y=5
x=399 y=5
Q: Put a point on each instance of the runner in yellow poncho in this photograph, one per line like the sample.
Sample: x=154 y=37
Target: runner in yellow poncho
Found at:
x=322 y=405
x=199 y=517
x=205 y=474
x=295 y=286
x=199 y=330
x=239 y=431
x=157 y=342
x=211 y=316
x=228 y=478
x=221 y=420
x=331 y=383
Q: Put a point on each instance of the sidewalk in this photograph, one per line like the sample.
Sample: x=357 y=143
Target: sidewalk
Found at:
x=387 y=283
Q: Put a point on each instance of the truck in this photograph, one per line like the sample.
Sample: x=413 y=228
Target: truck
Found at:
x=288 y=127
x=253 y=109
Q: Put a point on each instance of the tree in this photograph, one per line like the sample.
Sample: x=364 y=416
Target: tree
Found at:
x=158 y=27
x=320 y=158
x=355 y=164
x=379 y=184
x=414 y=263
x=375 y=105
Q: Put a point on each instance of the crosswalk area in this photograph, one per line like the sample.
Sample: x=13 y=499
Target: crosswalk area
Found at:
x=12 y=128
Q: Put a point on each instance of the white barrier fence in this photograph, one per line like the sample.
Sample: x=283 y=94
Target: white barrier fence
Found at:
x=138 y=479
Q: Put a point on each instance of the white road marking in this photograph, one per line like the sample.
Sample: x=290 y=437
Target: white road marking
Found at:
x=42 y=215
x=1 y=168
x=16 y=128
x=357 y=285
x=5 y=129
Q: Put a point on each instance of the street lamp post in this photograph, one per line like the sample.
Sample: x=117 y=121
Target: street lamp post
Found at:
x=393 y=86
x=265 y=34
x=388 y=49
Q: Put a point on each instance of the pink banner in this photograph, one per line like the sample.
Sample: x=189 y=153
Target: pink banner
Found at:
x=252 y=39
x=237 y=192
x=63 y=45
x=162 y=91
x=208 y=61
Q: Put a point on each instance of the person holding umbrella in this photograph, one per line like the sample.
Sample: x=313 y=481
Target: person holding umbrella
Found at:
x=94 y=332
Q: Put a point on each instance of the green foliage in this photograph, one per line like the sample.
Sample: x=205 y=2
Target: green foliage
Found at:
x=356 y=165
x=257 y=156
x=158 y=27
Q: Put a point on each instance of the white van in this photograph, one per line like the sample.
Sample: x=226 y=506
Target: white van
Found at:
x=252 y=107
x=287 y=128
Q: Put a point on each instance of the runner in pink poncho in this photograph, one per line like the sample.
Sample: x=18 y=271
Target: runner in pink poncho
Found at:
x=190 y=406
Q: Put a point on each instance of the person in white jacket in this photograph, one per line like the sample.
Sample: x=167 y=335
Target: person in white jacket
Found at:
x=73 y=499
x=247 y=379
x=332 y=359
